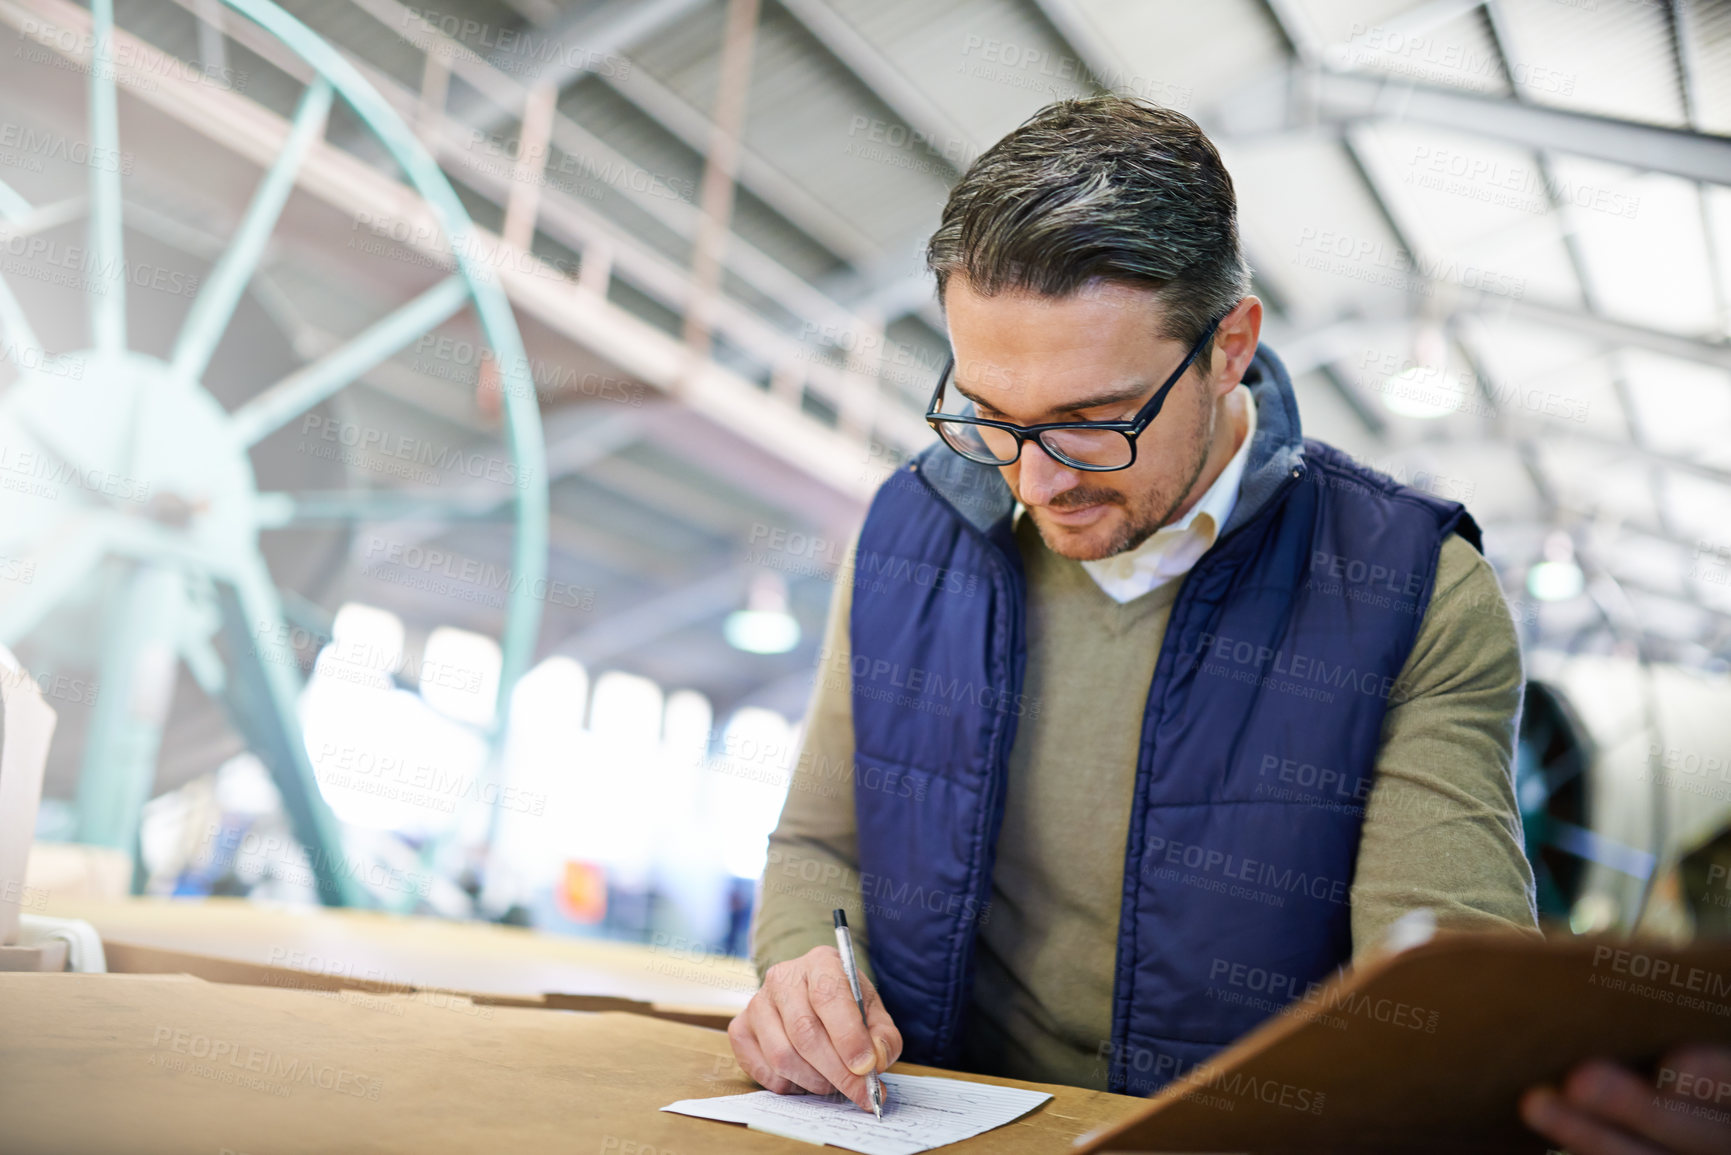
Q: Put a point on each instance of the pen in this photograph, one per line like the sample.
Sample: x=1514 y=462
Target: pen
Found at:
x=844 y=943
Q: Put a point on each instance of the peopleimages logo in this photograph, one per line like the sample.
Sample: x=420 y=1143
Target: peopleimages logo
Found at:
x=931 y=691
x=437 y=456
x=512 y=49
x=275 y=1066
x=467 y=577
x=52 y=146
x=1290 y=671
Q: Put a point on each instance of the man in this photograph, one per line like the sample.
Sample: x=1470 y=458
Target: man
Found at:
x=1133 y=692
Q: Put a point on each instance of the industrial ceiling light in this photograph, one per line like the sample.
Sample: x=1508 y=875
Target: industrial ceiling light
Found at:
x=764 y=626
x=1423 y=388
x=1558 y=577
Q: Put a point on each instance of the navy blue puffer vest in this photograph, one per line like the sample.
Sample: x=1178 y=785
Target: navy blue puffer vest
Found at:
x=1258 y=741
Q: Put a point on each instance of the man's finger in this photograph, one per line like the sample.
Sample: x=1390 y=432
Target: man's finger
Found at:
x=1705 y=1065
x=1672 y=1115
x=750 y=1058
x=1546 y=1112
x=832 y=999
x=883 y=1028
x=783 y=1057
x=810 y=1038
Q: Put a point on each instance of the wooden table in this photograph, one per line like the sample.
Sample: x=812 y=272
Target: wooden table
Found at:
x=370 y=948
x=172 y=1064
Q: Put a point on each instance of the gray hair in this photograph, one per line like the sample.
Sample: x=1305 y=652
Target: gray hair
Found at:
x=1107 y=188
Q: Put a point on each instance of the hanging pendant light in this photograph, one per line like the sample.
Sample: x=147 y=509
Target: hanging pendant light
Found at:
x=1558 y=577
x=764 y=626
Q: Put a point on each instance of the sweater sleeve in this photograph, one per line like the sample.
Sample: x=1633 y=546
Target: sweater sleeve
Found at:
x=813 y=864
x=1441 y=827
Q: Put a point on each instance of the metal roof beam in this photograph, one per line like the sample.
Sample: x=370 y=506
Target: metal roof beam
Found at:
x=616 y=29
x=1603 y=329
x=1332 y=339
x=1503 y=42
x=1308 y=96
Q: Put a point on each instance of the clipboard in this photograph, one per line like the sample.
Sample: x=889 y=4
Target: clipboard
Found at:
x=1429 y=1049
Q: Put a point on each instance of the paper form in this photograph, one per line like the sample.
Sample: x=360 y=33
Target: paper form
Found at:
x=922 y=1112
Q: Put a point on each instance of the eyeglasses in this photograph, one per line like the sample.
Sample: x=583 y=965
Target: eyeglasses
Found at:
x=1095 y=446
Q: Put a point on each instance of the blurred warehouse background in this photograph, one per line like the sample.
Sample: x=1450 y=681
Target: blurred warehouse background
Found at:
x=294 y=506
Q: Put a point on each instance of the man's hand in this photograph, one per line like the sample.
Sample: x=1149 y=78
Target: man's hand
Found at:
x=1604 y=1109
x=802 y=1032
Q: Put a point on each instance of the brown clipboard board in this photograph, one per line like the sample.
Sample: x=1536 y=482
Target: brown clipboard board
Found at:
x=1428 y=1050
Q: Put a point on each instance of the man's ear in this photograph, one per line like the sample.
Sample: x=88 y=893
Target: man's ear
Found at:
x=1235 y=344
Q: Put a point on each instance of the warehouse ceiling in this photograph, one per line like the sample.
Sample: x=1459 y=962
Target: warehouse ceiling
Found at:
x=1511 y=217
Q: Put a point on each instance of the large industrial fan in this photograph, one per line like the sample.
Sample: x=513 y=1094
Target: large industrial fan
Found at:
x=1552 y=758
x=131 y=499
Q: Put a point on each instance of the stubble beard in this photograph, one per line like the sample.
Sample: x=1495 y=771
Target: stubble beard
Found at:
x=1143 y=520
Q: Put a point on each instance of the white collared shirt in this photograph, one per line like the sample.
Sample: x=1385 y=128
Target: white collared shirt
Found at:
x=1172 y=550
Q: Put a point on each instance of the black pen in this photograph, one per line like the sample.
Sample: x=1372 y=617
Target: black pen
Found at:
x=844 y=943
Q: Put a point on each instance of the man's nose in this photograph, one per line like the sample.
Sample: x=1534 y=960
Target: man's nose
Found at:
x=1040 y=478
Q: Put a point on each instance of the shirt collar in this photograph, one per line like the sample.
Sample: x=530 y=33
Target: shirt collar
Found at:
x=1217 y=503
x=1174 y=549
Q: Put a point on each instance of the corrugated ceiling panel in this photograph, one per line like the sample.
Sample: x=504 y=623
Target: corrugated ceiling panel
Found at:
x=988 y=63
x=1606 y=481
x=1611 y=57
x=1459 y=53
x=1340 y=21
x=168 y=26
x=1313 y=231
x=1700 y=510
x=1709 y=32
x=1641 y=241
x=1683 y=407
x=1548 y=381
x=1476 y=211
x=814 y=122
x=668 y=167
x=1182 y=54
x=1719 y=224
x=392 y=48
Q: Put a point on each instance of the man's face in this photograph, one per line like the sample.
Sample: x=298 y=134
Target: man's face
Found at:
x=1097 y=356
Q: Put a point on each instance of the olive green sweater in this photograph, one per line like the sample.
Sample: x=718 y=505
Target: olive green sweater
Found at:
x=1440 y=828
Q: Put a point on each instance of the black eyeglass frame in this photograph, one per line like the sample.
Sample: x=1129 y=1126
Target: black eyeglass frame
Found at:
x=1131 y=429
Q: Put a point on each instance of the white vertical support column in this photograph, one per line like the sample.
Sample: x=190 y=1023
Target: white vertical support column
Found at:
x=435 y=87
x=524 y=202
x=108 y=279
x=787 y=382
x=720 y=170
x=212 y=48
x=864 y=378
x=597 y=268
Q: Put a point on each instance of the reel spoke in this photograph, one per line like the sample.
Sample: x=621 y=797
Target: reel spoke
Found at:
x=309 y=385
x=215 y=304
x=107 y=248
x=61 y=561
x=262 y=689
